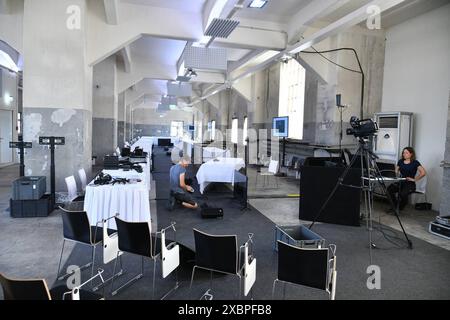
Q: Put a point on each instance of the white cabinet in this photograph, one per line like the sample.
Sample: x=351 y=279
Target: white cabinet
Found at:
x=394 y=134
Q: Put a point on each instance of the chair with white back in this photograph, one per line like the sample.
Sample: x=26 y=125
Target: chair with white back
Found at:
x=72 y=192
x=83 y=179
x=272 y=170
x=421 y=189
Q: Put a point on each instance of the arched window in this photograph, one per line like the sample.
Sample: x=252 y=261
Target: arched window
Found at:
x=7 y=62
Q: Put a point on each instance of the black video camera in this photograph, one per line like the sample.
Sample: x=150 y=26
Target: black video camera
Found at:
x=362 y=128
x=102 y=179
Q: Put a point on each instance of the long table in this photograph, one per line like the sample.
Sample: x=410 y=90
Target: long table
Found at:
x=222 y=170
x=131 y=201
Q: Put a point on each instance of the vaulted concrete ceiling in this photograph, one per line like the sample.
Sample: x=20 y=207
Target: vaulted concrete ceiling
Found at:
x=149 y=36
x=181 y=5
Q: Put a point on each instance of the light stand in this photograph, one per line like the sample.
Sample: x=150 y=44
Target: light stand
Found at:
x=21 y=145
x=368 y=166
x=246 y=155
x=341 y=108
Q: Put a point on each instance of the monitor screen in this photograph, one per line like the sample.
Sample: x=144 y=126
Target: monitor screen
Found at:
x=280 y=127
x=191 y=128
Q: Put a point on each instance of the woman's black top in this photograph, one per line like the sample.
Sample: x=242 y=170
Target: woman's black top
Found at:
x=408 y=170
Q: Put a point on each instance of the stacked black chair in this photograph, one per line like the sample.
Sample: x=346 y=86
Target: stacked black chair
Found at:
x=218 y=253
x=309 y=267
x=136 y=238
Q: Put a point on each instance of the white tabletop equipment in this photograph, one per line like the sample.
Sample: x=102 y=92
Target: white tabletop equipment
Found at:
x=130 y=200
x=218 y=170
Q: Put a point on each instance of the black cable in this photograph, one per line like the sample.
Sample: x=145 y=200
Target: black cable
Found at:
x=329 y=60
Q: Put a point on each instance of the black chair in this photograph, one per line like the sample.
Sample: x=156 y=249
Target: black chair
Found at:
x=136 y=238
x=37 y=289
x=310 y=267
x=76 y=228
x=220 y=253
x=291 y=165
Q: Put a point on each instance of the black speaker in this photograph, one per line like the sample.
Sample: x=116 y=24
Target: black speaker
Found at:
x=211 y=213
x=111 y=162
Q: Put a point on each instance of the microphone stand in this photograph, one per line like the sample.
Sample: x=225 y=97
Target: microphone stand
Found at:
x=341 y=132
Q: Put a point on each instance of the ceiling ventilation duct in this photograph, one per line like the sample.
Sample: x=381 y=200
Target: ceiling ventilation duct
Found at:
x=162 y=108
x=169 y=100
x=179 y=89
x=221 y=28
x=198 y=58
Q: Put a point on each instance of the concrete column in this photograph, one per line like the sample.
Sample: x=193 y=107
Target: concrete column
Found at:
x=105 y=109
x=445 y=199
x=121 y=119
x=127 y=117
x=57 y=86
x=266 y=97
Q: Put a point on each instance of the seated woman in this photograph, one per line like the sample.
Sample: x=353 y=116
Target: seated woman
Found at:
x=406 y=167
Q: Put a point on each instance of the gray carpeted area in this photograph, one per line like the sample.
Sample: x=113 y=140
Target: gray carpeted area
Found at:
x=420 y=273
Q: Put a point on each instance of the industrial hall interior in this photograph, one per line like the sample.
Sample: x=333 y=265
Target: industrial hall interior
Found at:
x=224 y=150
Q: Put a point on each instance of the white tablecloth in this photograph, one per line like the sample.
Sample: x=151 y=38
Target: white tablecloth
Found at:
x=218 y=171
x=131 y=200
x=213 y=152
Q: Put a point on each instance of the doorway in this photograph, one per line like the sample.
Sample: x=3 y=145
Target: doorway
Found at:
x=6 y=135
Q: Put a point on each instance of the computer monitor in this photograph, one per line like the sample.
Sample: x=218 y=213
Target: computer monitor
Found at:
x=191 y=128
x=280 y=127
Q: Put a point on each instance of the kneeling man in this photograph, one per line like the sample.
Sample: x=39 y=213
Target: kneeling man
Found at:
x=178 y=185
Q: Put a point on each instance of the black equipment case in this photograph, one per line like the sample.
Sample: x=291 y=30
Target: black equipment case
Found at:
x=440 y=227
x=211 y=213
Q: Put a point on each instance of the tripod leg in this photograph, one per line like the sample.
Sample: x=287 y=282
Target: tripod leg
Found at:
x=384 y=189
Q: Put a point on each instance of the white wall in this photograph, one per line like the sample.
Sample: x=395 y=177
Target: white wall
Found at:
x=417 y=79
x=55 y=70
x=11 y=23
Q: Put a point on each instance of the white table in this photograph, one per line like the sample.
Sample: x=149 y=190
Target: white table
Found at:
x=213 y=152
x=146 y=143
x=218 y=171
x=131 y=201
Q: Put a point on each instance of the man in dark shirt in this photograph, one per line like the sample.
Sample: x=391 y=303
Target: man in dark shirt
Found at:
x=178 y=187
x=407 y=167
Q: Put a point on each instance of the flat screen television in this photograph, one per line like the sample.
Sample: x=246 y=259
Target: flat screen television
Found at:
x=280 y=127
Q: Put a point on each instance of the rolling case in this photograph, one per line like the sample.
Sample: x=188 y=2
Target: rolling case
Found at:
x=440 y=230
x=212 y=213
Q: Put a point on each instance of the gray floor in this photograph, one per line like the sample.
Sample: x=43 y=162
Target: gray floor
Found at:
x=30 y=248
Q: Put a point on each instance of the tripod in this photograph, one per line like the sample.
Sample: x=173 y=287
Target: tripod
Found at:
x=370 y=173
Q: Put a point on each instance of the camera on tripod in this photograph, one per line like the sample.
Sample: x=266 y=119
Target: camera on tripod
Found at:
x=362 y=128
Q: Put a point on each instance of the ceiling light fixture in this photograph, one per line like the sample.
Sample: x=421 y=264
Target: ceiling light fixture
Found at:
x=258 y=4
x=190 y=73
